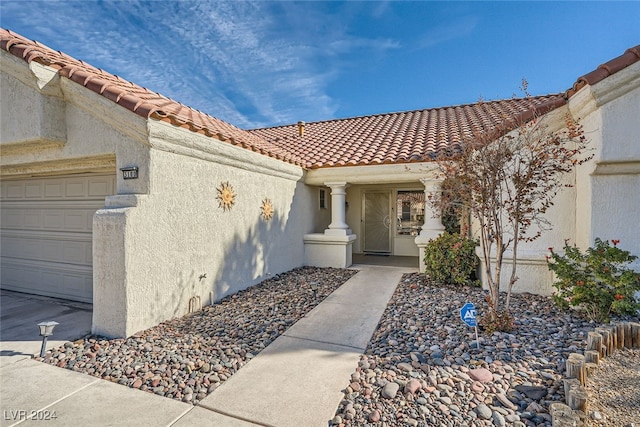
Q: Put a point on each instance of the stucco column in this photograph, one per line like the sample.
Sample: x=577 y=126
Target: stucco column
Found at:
x=333 y=248
x=338 y=226
x=432 y=227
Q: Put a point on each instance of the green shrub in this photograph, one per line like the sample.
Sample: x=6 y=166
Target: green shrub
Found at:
x=599 y=281
x=451 y=259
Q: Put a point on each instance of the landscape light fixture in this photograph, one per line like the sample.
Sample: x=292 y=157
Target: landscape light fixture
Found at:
x=46 y=330
x=314 y=288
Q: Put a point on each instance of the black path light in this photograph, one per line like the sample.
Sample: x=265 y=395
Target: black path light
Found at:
x=46 y=330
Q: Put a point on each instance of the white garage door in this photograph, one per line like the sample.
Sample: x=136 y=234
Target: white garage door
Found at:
x=47 y=233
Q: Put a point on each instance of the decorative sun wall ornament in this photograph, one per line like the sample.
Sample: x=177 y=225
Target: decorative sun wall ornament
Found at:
x=226 y=196
x=267 y=209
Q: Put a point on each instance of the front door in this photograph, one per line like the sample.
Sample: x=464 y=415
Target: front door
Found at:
x=377 y=222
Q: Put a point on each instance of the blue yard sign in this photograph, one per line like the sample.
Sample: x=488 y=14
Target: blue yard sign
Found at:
x=468 y=314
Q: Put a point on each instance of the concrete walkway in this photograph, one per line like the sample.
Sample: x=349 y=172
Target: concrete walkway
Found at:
x=295 y=381
x=20 y=315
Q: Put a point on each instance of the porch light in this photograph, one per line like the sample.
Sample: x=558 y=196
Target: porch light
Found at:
x=314 y=288
x=46 y=330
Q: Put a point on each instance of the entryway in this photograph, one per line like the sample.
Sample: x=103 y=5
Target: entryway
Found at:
x=377 y=222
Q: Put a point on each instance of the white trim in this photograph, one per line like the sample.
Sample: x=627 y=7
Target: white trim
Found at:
x=372 y=174
x=167 y=137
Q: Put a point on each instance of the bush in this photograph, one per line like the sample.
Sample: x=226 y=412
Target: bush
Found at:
x=501 y=321
x=451 y=259
x=599 y=281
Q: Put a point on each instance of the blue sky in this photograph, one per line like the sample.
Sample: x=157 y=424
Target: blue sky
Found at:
x=261 y=63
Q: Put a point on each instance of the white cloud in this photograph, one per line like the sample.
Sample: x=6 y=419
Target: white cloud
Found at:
x=448 y=31
x=252 y=64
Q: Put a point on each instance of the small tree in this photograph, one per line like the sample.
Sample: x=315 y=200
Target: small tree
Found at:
x=507 y=178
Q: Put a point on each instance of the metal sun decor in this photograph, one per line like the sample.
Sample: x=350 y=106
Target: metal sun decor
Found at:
x=226 y=196
x=267 y=209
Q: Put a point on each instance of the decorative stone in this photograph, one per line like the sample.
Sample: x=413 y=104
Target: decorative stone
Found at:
x=498 y=419
x=483 y=411
x=412 y=386
x=406 y=367
x=390 y=390
x=505 y=402
x=532 y=392
x=477 y=387
x=480 y=374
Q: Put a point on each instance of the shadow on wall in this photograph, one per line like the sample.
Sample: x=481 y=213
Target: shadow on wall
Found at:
x=270 y=247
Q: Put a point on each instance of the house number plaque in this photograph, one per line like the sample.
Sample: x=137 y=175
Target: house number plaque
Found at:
x=130 y=172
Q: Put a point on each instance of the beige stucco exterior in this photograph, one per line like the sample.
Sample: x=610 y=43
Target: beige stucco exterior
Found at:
x=604 y=200
x=608 y=188
x=159 y=235
x=162 y=244
x=177 y=234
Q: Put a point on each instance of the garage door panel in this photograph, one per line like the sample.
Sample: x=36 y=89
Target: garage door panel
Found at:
x=33 y=190
x=100 y=187
x=47 y=233
x=75 y=189
x=52 y=220
x=48 y=279
x=14 y=191
x=80 y=187
x=54 y=189
x=52 y=248
x=31 y=216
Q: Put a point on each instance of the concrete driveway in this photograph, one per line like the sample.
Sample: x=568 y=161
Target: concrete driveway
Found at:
x=20 y=314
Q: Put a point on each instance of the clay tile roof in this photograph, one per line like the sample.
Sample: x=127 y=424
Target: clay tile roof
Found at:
x=605 y=70
x=139 y=100
x=402 y=137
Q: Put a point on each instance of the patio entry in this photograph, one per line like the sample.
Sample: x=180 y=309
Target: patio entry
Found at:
x=376 y=206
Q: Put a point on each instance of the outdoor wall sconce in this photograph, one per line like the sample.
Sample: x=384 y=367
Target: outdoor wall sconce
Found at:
x=46 y=330
x=130 y=172
x=314 y=288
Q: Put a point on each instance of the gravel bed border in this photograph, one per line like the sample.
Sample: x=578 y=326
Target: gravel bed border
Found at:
x=187 y=358
x=422 y=367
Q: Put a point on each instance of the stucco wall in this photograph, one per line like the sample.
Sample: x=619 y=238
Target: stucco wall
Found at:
x=32 y=92
x=608 y=195
x=605 y=199
x=177 y=233
x=164 y=230
x=51 y=125
x=532 y=271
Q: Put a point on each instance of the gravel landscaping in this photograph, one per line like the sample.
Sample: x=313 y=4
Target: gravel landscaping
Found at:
x=614 y=390
x=422 y=367
x=189 y=357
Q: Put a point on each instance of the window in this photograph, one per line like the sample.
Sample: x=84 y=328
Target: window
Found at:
x=323 y=199
x=410 y=210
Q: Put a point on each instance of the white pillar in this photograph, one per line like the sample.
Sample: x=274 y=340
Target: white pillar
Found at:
x=338 y=226
x=432 y=227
